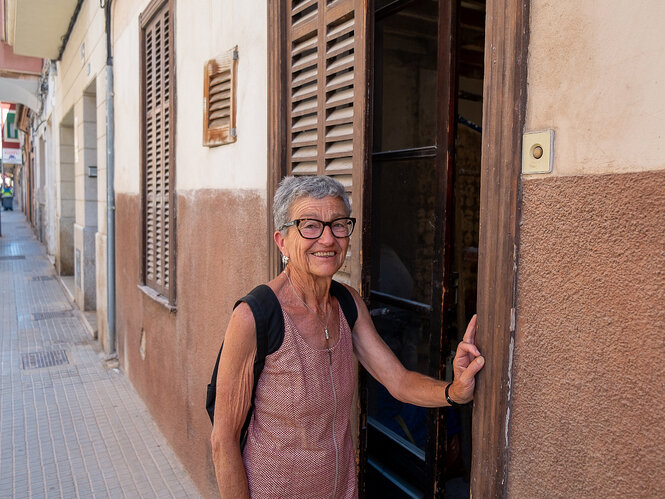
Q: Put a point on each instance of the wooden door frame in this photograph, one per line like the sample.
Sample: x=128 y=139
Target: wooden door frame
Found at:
x=276 y=49
x=504 y=108
x=504 y=90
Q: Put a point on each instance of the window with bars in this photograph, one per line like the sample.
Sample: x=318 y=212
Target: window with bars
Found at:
x=157 y=164
x=219 y=99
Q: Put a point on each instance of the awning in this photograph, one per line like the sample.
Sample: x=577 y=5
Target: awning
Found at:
x=37 y=27
x=21 y=91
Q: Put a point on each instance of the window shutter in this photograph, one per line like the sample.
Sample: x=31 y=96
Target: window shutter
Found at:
x=157 y=160
x=219 y=91
x=326 y=93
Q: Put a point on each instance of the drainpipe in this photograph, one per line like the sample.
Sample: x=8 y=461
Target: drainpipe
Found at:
x=110 y=189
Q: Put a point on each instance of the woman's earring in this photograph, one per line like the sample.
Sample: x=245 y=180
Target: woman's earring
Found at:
x=285 y=260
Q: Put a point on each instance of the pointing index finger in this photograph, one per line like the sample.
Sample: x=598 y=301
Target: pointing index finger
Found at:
x=470 y=334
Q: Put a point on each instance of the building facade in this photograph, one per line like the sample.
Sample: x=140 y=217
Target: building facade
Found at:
x=427 y=112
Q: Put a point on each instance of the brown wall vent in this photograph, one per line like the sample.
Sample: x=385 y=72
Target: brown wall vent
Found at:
x=219 y=99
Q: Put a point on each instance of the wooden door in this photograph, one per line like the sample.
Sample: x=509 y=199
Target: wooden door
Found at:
x=421 y=229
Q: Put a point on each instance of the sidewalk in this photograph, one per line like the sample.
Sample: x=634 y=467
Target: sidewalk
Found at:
x=69 y=426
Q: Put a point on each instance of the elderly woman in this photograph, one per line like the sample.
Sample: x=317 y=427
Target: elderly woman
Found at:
x=299 y=441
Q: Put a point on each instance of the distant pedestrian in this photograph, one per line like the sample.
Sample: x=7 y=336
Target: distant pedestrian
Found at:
x=299 y=442
x=7 y=197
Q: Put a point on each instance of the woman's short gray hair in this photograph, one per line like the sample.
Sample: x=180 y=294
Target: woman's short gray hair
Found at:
x=292 y=188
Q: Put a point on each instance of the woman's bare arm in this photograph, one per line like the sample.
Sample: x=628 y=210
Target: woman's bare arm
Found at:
x=235 y=379
x=410 y=386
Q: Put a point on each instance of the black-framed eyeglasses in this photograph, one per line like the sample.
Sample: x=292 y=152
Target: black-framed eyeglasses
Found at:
x=311 y=228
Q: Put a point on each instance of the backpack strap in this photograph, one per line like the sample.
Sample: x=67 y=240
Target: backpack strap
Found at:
x=346 y=301
x=269 y=323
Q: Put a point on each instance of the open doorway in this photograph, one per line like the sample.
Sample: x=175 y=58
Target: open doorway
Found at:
x=87 y=199
x=66 y=212
x=423 y=222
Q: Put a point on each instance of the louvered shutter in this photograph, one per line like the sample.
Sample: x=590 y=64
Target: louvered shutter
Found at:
x=157 y=160
x=219 y=93
x=326 y=93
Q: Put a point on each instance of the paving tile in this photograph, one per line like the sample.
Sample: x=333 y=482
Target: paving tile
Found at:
x=77 y=429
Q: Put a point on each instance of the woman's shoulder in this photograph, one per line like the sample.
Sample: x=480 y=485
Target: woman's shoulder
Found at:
x=279 y=286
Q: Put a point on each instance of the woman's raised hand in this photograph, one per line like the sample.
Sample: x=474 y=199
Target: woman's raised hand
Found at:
x=466 y=364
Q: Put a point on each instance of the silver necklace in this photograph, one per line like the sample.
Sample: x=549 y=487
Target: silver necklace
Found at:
x=325 y=325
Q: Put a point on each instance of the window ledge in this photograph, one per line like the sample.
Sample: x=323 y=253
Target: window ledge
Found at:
x=159 y=298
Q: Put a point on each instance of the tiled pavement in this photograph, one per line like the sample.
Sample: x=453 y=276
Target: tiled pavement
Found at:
x=76 y=428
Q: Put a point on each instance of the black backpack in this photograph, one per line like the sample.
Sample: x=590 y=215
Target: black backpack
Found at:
x=270 y=334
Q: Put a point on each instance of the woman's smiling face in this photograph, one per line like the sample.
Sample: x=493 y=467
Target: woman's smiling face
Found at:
x=320 y=257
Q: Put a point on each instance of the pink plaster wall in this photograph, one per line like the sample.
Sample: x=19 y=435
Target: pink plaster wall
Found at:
x=13 y=63
x=588 y=398
x=221 y=255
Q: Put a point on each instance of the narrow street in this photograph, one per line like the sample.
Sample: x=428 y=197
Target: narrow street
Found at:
x=70 y=426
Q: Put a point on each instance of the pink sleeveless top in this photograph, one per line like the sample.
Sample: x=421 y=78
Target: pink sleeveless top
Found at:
x=299 y=441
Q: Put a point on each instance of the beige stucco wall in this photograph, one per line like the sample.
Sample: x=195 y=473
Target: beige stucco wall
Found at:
x=596 y=73
x=586 y=386
x=80 y=101
x=126 y=74
x=73 y=72
x=77 y=71
x=218 y=27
